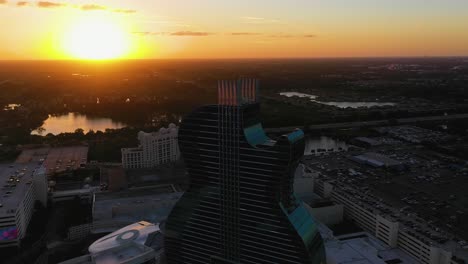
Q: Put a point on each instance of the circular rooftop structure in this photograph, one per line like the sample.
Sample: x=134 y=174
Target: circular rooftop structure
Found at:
x=138 y=233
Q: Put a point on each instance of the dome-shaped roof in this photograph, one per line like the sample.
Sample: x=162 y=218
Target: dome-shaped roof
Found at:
x=137 y=232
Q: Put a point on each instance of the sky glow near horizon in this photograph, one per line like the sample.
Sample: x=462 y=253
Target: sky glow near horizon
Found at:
x=233 y=29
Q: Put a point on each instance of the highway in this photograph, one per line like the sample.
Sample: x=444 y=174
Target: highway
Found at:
x=385 y=122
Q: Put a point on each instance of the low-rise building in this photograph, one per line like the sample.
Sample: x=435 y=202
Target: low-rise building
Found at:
x=382 y=223
x=303 y=183
x=358 y=247
x=22 y=185
x=365 y=142
x=26 y=181
x=138 y=243
x=151 y=204
x=378 y=160
x=363 y=248
x=327 y=212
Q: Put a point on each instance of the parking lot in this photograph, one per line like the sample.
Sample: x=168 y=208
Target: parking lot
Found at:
x=429 y=186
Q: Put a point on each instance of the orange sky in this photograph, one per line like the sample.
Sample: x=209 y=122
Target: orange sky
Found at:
x=234 y=29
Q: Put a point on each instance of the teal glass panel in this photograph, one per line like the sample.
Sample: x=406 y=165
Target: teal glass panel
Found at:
x=255 y=135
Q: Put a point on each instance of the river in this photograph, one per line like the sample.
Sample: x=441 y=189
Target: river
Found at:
x=313 y=98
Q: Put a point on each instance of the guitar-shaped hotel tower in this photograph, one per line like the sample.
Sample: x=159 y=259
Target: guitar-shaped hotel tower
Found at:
x=240 y=206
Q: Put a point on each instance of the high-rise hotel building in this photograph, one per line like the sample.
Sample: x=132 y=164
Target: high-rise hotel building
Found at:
x=155 y=149
x=240 y=207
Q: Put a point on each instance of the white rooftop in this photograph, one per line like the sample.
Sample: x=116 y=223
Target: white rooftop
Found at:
x=364 y=249
x=134 y=244
x=137 y=232
x=151 y=204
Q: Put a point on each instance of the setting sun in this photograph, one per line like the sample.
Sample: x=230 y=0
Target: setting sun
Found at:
x=96 y=39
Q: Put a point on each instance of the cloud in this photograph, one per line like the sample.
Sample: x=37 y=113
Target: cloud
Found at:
x=259 y=20
x=245 y=34
x=174 y=23
x=175 y=34
x=190 y=33
x=45 y=4
x=281 y=36
x=203 y=34
x=177 y=24
x=86 y=7
x=253 y=18
x=92 y=7
x=262 y=42
x=125 y=11
x=3 y=2
x=148 y=33
x=142 y=33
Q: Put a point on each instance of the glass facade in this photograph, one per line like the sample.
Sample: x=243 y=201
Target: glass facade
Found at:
x=240 y=207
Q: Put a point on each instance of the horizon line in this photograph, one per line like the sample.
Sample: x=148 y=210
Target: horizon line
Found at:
x=240 y=58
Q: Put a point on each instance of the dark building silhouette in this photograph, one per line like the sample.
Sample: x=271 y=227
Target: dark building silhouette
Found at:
x=240 y=207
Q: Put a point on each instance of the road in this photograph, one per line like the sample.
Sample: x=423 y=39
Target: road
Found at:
x=401 y=121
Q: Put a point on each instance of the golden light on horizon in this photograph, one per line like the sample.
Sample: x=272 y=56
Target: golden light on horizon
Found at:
x=96 y=38
x=129 y=29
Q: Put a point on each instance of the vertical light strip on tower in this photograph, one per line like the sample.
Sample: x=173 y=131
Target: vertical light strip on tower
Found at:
x=234 y=93
x=239 y=208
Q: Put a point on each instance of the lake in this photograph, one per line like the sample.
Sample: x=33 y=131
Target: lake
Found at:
x=313 y=98
x=9 y=107
x=322 y=145
x=68 y=123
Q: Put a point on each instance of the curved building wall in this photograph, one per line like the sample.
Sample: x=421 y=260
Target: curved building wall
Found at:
x=240 y=207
